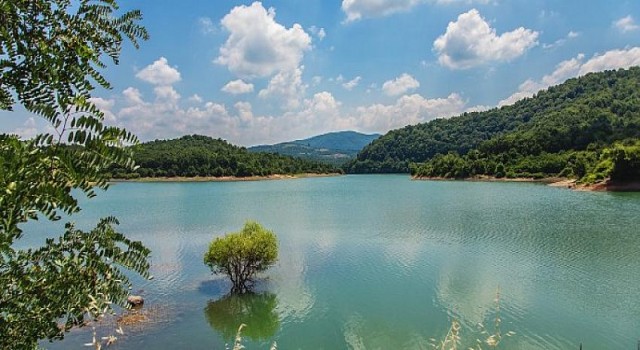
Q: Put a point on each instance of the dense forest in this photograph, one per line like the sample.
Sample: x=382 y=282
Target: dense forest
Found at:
x=195 y=155
x=335 y=148
x=617 y=163
x=566 y=130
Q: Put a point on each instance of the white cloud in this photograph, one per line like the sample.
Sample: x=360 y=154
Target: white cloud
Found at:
x=153 y=119
x=352 y=83
x=470 y=41
x=245 y=111
x=167 y=95
x=28 y=130
x=357 y=9
x=206 y=25
x=613 y=59
x=105 y=105
x=561 y=41
x=237 y=87
x=286 y=88
x=163 y=116
x=400 y=85
x=576 y=67
x=408 y=109
x=321 y=34
x=323 y=102
x=478 y=108
x=316 y=80
x=195 y=98
x=318 y=32
x=159 y=73
x=258 y=46
x=626 y=24
x=320 y=113
x=468 y=2
x=166 y=119
x=132 y=95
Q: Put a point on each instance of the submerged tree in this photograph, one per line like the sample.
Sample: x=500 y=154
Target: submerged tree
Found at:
x=51 y=54
x=242 y=255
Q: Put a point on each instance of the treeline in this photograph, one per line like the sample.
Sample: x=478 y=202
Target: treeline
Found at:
x=194 y=155
x=323 y=155
x=619 y=162
x=571 y=122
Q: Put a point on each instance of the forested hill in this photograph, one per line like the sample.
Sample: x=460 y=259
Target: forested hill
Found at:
x=334 y=148
x=195 y=155
x=341 y=140
x=596 y=109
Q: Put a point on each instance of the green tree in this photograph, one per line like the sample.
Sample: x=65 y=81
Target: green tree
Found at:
x=51 y=54
x=499 y=172
x=242 y=255
x=626 y=161
x=618 y=163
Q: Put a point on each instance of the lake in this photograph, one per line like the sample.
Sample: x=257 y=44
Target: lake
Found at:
x=382 y=262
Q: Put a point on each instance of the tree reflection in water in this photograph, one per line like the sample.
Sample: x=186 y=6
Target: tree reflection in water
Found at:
x=256 y=310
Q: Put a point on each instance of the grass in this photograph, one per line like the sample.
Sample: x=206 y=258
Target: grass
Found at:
x=486 y=340
x=237 y=343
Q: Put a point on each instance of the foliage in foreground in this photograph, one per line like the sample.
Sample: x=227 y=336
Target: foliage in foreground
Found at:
x=242 y=255
x=51 y=52
x=49 y=290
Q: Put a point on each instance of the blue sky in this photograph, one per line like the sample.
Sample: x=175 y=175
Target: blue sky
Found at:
x=272 y=71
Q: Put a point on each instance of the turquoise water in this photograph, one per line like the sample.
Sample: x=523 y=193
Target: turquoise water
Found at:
x=382 y=262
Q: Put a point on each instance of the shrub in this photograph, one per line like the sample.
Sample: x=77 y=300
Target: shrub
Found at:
x=242 y=255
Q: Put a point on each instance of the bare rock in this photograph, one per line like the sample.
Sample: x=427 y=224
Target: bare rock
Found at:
x=135 y=300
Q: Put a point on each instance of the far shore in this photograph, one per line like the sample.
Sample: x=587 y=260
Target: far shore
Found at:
x=485 y=178
x=551 y=181
x=606 y=186
x=224 y=178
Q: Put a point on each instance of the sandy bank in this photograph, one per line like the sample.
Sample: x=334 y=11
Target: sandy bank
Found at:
x=633 y=186
x=484 y=178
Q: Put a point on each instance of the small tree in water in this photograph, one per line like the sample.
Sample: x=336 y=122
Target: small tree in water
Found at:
x=241 y=255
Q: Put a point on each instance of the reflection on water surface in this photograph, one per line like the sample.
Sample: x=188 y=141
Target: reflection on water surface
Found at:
x=381 y=262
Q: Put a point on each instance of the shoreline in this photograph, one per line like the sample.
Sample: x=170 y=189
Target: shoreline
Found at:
x=606 y=186
x=484 y=178
x=224 y=178
x=633 y=186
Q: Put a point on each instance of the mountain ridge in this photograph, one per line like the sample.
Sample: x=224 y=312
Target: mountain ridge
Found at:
x=594 y=110
x=333 y=147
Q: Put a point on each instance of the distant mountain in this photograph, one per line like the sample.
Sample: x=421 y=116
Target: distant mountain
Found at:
x=335 y=147
x=341 y=140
